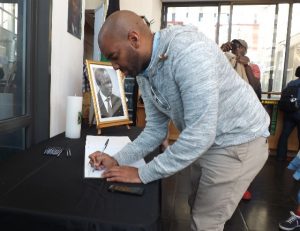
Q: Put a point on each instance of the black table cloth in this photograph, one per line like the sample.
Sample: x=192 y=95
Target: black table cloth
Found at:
x=39 y=192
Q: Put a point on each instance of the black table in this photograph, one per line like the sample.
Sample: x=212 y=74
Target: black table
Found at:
x=39 y=192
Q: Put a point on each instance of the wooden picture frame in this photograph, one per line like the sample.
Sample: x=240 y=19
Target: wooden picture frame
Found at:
x=108 y=96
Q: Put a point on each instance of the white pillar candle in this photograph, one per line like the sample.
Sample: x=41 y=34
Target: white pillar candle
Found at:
x=73 y=117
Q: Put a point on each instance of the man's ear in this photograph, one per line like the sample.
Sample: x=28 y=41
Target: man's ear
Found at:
x=134 y=39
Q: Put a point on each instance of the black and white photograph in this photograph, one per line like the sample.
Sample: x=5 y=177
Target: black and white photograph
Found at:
x=107 y=92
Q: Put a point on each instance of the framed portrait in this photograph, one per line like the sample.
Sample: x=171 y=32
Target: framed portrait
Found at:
x=74 y=17
x=108 y=94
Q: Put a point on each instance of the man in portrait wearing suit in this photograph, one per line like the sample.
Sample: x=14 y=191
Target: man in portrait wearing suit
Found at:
x=110 y=104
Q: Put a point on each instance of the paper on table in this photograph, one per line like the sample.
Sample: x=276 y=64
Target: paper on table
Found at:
x=96 y=143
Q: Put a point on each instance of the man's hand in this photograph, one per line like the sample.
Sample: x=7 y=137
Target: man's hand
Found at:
x=226 y=47
x=100 y=160
x=124 y=174
x=243 y=60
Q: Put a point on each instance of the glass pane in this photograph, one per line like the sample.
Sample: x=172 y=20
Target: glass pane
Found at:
x=205 y=18
x=12 y=78
x=224 y=24
x=254 y=24
x=294 y=52
x=280 y=45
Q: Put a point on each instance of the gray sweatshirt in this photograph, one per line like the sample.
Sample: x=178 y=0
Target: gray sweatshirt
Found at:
x=191 y=82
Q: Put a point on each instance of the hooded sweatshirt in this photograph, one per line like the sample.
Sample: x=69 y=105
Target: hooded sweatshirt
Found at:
x=190 y=81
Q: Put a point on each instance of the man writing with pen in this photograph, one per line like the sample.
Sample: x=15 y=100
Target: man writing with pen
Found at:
x=102 y=151
x=186 y=78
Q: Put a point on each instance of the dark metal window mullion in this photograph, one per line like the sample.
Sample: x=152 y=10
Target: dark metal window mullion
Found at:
x=287 y=45
x=272 y=62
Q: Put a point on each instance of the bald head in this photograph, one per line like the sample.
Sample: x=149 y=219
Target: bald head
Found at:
x=118 y=24
x=126 y=41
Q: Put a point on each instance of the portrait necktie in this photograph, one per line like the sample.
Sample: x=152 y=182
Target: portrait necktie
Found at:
x=109 y=108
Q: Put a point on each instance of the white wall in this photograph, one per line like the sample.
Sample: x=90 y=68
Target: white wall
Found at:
x=67 y=54
x=150 y=9
x=66 y=65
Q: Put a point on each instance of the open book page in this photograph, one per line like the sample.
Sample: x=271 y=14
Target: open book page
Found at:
x=97 y=143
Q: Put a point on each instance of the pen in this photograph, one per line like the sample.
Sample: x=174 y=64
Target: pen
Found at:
x=105 y=145
x=103 y=149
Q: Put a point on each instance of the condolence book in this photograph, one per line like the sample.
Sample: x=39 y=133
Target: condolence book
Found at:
x=111 y=145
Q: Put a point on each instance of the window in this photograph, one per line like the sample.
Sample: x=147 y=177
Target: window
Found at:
x=264 y=26
x=24 y=63
x=12 y=93
x=255 y=24
x=202 y=17
x=276 y=66
x=224 y=24
x=294 y=44
x=12 y=77
x=8 y=13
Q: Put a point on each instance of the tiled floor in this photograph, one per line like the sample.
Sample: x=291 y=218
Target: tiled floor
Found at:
x=273 y=196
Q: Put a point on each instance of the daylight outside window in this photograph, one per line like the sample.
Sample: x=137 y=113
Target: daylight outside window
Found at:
x=12 y=77
x=264 y=27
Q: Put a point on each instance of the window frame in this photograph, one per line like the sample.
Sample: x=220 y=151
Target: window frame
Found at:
x=167 y=3
x=35 y=72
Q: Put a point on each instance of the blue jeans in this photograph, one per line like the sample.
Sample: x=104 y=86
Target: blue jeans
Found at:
x=291 y=120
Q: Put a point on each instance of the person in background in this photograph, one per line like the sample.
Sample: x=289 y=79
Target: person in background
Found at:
x=110 y=104
x=290 y=121
x=235 y=52
x=187 y=79
x=293 y=221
